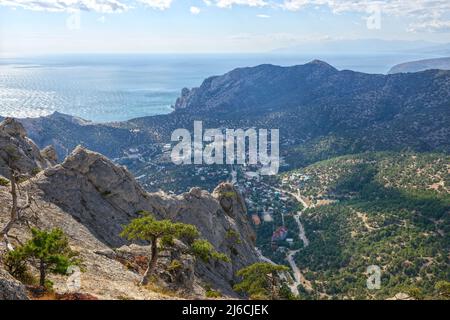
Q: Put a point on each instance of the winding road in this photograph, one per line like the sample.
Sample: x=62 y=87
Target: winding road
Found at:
x=299 y=279
x=298 y=276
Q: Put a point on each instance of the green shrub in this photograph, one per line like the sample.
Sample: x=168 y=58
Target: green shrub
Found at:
x=175 y=265
x=35 y=171
x=4 y=182
x=205 y=251
x=210 y=293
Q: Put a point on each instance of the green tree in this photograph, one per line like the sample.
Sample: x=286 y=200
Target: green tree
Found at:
x=261 y=280
x=205 y=251
x=443 y=287
x=147 y=228
x=48 y=251
x=415 y=292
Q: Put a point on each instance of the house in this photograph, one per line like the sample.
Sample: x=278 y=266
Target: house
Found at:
x=267 y=217
x=280 y=234
x=256 y=220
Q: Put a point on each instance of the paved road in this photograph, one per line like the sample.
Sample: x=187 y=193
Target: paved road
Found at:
x=301 y=229
x=299 y=279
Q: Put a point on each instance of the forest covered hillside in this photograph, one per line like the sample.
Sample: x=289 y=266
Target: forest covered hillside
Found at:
x=390 y=210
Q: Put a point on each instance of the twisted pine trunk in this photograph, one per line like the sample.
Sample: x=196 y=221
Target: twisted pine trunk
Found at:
x=152 y=262
x=42 y=274
x=14 y=209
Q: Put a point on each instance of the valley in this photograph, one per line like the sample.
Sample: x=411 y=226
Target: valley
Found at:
x=364 y=176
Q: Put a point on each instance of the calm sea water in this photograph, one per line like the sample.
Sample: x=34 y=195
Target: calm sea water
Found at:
x=105 y=88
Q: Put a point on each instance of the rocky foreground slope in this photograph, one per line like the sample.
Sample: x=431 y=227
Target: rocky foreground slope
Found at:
x=91 y=199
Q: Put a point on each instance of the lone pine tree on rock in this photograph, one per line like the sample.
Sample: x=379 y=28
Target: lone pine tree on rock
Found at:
x=147 y=228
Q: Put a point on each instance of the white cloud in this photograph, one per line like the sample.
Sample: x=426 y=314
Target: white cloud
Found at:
x=397 y=7
x=428 y=14
x=263 y=16
x=424 y=15
x=103 y=6
x=157 y=4
x=430 y=26
x=194 y=10
x=249 y=3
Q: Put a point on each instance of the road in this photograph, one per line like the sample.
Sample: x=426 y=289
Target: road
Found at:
x=301 y=229
x=299 y=279
x=298 y=276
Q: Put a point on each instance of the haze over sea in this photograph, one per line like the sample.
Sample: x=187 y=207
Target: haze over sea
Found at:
x=105 y=88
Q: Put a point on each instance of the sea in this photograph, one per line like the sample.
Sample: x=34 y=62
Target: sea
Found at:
x=118 y=87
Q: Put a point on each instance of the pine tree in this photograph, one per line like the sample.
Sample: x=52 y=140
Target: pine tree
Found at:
x=48 y=251
x=147 y=228
x=260 y=280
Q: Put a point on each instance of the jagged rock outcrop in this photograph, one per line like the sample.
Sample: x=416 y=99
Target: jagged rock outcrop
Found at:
x=10 y=288
x=226 y=227
x=20 y=152
x=65 y=132
x=183 y=101
x=50 y=154
x=91 y=199
x=104 y=197
x=99 y=194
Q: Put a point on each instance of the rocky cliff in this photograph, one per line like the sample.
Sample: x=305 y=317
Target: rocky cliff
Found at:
x=21 y=153
x=91 y=199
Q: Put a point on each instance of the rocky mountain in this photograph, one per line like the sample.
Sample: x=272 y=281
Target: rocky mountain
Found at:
x=364 y=47
x=66 y=132
x=318 y=108
x=323 y=112
x=421 y=65
x=91 y=199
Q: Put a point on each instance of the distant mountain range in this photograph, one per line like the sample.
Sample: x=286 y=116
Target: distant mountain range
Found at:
x=422 y=65
x=367 y=46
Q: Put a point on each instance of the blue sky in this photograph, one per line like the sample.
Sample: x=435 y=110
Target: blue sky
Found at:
x=159 y=26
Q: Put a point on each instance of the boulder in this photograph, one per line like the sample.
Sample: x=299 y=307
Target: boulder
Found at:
x=10 y=288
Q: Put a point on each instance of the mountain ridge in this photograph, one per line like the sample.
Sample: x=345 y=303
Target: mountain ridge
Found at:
x=314 y=105
x=421 y=65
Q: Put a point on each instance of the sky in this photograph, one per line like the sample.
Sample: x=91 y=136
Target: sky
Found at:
x=210 y=26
